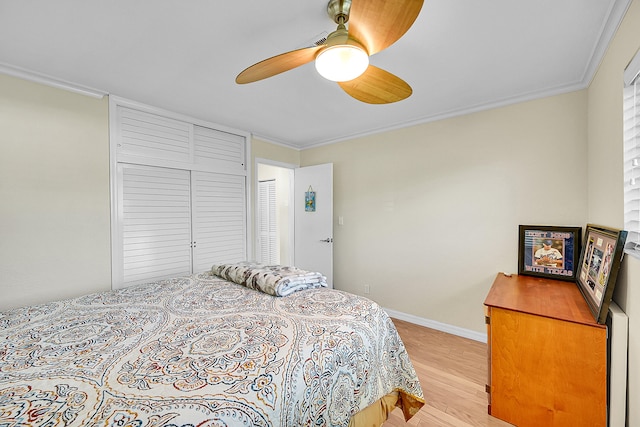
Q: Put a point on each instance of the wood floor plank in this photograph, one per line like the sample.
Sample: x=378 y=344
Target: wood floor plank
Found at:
x=453 y=373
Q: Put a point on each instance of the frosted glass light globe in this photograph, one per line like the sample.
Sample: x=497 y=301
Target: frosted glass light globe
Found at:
x=342 y=63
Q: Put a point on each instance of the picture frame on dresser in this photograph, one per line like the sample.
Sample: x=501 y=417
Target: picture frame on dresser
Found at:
x=600 y=261
x=549 y=251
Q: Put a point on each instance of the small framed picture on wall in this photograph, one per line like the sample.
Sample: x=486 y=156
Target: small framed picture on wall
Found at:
x=549 y=251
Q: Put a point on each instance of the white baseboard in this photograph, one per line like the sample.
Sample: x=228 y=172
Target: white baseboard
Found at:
x=438 y=326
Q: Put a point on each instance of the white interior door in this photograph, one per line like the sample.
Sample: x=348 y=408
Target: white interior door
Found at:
x=314 y=228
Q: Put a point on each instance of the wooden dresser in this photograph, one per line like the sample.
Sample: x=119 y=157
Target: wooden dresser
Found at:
x=547 y=354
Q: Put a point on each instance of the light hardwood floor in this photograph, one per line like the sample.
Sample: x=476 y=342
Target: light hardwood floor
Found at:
x=453 y=374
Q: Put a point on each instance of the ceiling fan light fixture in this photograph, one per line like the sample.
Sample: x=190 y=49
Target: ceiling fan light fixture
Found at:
x=341 y=63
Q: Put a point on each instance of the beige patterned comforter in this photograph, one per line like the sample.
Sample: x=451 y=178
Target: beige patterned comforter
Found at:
x=200 y=351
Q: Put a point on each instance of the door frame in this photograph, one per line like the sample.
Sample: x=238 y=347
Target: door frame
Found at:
x=291 y=224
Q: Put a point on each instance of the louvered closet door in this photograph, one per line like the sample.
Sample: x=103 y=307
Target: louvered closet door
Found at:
x=151 y=136
x=156 y=223
x=267 y=225
x=219 y=219
x=219 y=150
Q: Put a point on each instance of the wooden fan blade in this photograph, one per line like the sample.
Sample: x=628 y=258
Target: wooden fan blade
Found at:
x=278 y=64
x=377 y=86
x=377 y=24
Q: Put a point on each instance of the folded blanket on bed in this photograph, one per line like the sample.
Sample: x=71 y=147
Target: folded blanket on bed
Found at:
x=276 y=280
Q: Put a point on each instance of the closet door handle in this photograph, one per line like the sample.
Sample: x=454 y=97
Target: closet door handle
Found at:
x=327 y=240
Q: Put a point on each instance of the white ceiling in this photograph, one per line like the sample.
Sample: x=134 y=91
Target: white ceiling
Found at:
x=183 y=55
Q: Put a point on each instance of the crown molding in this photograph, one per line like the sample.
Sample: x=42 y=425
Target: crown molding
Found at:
x=44 y=79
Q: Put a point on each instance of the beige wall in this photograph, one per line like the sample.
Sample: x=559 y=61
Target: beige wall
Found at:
x=264 y=150
x=54 y=194
x=431 y=212
x=605 y=179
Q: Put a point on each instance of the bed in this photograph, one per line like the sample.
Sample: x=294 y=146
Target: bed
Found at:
x=203 y=351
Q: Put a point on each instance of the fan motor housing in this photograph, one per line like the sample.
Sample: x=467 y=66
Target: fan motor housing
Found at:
x=338 y=10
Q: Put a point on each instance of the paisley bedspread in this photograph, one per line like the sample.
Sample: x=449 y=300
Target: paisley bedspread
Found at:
x=200 y=351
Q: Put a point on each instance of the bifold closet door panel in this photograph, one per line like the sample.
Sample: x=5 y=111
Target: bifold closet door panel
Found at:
x=219 y=219
x=155 y=217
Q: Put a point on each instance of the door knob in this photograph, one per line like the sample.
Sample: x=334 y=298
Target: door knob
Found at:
x=327 y=240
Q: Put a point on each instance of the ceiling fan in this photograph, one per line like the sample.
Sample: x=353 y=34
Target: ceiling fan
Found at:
x=374 y=25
